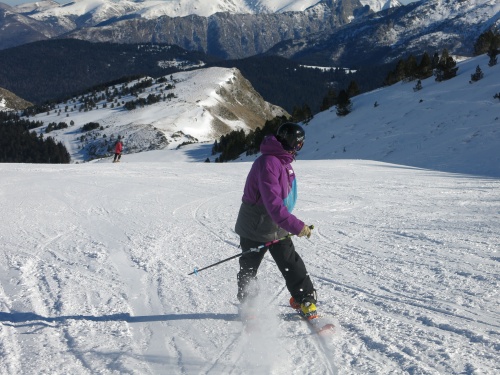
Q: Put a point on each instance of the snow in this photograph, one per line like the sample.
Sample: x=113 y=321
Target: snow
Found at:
x=94 y=257
x=103 y=9
x=378 y=5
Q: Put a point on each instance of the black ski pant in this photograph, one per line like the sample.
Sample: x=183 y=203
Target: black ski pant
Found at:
x=288 y=261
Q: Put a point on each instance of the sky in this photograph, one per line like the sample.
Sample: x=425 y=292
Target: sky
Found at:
x=17 y=2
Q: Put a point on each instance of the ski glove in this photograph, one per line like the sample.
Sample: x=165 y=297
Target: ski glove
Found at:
x=306 y=231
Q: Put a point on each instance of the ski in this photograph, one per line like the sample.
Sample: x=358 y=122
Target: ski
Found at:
x=319 y=324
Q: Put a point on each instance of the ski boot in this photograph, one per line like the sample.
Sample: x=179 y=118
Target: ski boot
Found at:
x=306 y=308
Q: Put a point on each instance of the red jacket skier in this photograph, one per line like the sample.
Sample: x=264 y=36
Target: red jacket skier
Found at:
x=118 y=150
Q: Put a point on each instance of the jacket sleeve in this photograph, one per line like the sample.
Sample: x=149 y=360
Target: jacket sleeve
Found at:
x=270 y=190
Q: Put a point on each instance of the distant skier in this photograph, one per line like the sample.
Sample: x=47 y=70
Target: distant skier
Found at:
x=118 y=150
x=265 y=214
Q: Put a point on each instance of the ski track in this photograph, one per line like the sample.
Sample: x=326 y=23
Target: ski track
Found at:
x=102 y=285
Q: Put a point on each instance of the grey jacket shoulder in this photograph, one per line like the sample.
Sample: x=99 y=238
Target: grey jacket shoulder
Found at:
x=254 y=223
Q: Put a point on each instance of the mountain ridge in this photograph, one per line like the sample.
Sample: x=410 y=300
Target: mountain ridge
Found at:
x=149 y=114
x=86 y=19
x=395 y=33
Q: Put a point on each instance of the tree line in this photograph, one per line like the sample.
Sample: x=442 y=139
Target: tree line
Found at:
x=18 y=144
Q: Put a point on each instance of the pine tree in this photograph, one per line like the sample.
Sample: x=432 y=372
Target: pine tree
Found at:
x=303 y=113
x=418 y=87
x=486 y=41
x=344 y=105
x=435 y=60
x=353 y=89
x=477 y=76
x=308 y=115
x=396 y=75
x=411 y=68
x=424 y=69
x=492 y=53
x=446 y=68
x=329 y=100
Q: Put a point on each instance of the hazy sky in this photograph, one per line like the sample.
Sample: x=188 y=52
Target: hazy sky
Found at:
x=17 y=2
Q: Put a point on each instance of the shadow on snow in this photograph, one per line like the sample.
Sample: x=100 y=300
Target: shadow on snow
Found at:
x=32 y=318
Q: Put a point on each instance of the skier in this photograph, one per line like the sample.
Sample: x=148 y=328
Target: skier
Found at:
x=265 y=214
x=118 y=150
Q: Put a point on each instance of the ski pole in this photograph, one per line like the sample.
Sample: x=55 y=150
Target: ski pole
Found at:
x=256 y=249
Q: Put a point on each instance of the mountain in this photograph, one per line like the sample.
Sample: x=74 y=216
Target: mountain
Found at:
x=11 y=102
x=389 y=35
x=54 y=69
x=378 y=5
x=17 y=29
x=91 y=12
x=194 y=24
x=187 y=107
x=224 y=35
x=331 y=33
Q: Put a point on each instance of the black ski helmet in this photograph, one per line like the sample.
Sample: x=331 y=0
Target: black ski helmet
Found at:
x=291 y=136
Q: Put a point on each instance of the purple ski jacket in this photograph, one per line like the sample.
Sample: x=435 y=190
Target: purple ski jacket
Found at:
x=269 y=196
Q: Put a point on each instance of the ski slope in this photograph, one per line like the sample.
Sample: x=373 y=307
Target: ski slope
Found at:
x=94 y=263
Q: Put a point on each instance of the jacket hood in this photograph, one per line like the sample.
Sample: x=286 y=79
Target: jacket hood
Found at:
x=271 y=146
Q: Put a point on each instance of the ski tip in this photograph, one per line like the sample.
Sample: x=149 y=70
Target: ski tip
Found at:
x=195 y=272
x=327 y=329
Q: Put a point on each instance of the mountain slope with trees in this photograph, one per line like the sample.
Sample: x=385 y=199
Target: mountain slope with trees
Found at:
x=19 y=144
x=56 y=69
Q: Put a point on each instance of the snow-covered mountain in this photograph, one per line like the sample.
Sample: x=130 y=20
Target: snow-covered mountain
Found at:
x=17 y=29
x=100 y=10
x=387 y=36
x=192 y=24
x=191 y=107
x=329 y=34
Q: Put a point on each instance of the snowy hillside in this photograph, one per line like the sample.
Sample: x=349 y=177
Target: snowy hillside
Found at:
x=194 y=106
x=452 y=126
